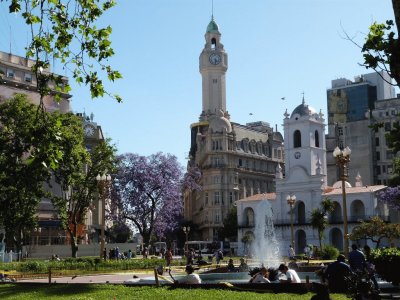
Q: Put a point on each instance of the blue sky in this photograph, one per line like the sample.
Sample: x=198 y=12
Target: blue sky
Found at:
x=276 y=48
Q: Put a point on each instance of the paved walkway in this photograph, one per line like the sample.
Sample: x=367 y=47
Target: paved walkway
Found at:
x=105 y=278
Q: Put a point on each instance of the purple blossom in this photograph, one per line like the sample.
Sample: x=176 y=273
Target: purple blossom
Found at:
x=391 y=196
x=149 y=192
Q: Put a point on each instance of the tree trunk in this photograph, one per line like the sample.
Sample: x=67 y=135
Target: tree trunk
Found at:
x=74 y=246
x=396 y=10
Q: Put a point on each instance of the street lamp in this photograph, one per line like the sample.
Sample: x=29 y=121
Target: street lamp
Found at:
x=103 y=181
x=186 y=230
x=342 y=160
x=291 y=200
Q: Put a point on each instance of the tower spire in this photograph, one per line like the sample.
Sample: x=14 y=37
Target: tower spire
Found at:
x=212 y=10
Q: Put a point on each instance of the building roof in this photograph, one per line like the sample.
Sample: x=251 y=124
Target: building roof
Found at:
x=303 y=110
x=212 y=26
x=259 y=197
x=353 y=190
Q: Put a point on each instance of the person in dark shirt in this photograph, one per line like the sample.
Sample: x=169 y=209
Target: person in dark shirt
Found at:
x=336 y=273
x=356 y=259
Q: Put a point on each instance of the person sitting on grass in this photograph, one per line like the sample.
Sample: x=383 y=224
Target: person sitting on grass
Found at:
x=190 y=278
x=261 y=277
x=288 y=275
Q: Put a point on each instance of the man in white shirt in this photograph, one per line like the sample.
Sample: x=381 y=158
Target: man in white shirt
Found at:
x=291 y=275
x=190 y=278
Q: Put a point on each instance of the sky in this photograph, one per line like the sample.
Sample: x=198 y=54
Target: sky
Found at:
x=276 y=49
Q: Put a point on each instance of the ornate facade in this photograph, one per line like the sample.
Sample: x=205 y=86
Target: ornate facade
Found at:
x=236 y=160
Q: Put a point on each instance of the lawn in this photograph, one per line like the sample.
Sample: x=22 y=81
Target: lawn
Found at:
x=117 y=292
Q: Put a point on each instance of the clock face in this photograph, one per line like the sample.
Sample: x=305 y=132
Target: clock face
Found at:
x=297 y=155
x=89 y=130
x=215 y=59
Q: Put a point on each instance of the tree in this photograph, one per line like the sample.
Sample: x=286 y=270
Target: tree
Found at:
x=119 y=233
x=319 y=218
x=381 y=49
x=29 y=147
x=77 y=174
x=66 y=31
x=376 y=230
x=391 y=196
x=230 y=228
x=148 y=191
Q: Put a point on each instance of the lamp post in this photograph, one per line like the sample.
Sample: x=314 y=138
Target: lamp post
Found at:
x=103 y=181
x=291 y=200
x=342 y=160
x=186 y=230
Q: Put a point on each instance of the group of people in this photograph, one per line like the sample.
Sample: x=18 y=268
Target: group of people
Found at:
x=359 y=263
x=115 y=253
x=284 y=275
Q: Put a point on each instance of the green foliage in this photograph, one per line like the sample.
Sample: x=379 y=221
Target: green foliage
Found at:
x=67 y=31
x=381 y=49
x=34 y=266
x=329 y=252
x=230 y=228
x=387 y=264
x=376 y=230
x=319 y=218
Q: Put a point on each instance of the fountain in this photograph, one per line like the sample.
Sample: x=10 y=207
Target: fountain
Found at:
x=265 y=247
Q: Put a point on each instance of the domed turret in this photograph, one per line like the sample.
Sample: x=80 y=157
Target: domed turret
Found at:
x=303 y=110
x=212 y=26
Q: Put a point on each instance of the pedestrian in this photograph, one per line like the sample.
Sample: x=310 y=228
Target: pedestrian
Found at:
x=336 y=273
x=129 y=255
x=168 y=257
x=369 y=266
x=117 y=253
x=105 y=253
x=218 y=256
x=288 y=275
x=356 y=259
x=291 y=252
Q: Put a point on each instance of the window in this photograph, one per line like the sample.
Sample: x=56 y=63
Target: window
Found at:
x=216 y=197
x=10 y=73
x=389 y=154
x=28 y=77
x=378 y=155
x=316 y=138
x=388 y=126
x=217 y=179
x=230 y=197
x=240 y=162
x=297 y=139
x=377 y=141
x=206 y=197
x=340 y=131
x=383 y=169
x=215 y=80
x=393 y=112
x=217 y=218
x=378 y=170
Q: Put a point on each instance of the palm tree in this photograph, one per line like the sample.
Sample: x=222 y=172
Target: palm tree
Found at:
x=319 y=218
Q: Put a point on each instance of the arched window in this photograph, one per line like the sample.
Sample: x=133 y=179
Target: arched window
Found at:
x=297 y=139
x=316 y=138
x=301 y=212
x=249 y=217
x=213 y=43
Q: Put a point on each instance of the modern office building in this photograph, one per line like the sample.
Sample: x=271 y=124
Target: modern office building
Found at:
x=350 y=109
x=236 y=160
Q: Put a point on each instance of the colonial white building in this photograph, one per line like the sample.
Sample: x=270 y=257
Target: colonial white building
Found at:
x=305 y=177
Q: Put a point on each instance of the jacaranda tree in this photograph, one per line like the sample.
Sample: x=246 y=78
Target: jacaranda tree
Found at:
x=149 y=192
x=391 y=196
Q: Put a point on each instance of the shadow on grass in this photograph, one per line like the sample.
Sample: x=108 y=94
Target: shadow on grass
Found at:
x=44 y=289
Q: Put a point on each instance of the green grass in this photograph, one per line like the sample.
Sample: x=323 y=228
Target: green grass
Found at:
x=120 y=292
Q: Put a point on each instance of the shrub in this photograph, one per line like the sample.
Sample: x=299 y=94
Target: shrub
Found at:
x=387 y=264
x=329 y=252
x=32 y=266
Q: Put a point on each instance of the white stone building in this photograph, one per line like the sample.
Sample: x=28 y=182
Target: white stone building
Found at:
x=305 y=177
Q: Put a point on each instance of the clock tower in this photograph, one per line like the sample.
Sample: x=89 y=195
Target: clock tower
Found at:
x=213 y=64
